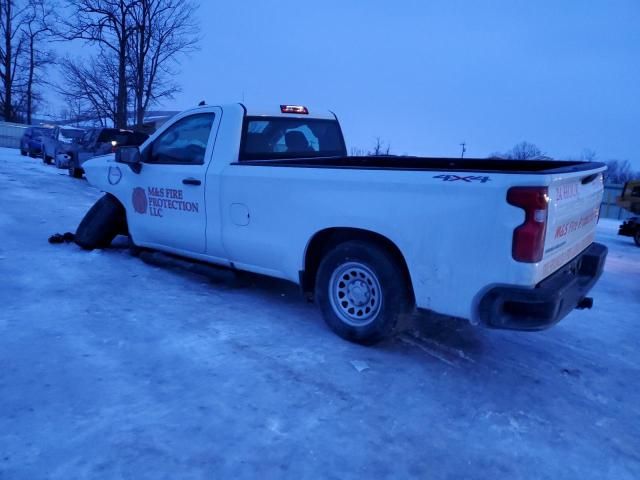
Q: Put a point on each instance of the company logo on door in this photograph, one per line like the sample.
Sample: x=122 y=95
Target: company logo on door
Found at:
x=139 y=199
x=156 y=201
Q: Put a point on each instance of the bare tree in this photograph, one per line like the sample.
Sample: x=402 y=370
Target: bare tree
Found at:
x=588 y=155
x=357 y=152
x=91 y=88
x=12 y=47
x=164 y=29
x=523 y=151
x=108 y=24
x=620 y=171
x=23 y=26
x=36 y=27
x=74 y=110
x=379 y=148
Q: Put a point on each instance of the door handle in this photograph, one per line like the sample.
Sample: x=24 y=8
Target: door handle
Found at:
x=191 y=181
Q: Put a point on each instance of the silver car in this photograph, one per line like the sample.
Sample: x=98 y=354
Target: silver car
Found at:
x=58 y=147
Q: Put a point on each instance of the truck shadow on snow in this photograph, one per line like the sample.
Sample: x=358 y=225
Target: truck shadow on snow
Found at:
x=447 y=339
x=424 y=337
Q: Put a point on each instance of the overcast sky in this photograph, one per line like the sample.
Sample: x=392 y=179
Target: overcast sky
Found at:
x=426 y=75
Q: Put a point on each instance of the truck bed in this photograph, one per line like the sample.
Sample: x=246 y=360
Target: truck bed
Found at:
x=489 y=165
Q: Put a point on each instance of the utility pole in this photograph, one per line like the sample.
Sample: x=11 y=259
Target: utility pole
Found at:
x=464 y=148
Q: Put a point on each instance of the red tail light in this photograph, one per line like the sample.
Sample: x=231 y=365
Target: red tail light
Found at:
x=528 y=238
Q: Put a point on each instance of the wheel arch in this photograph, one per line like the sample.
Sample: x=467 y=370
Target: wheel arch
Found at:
x=126 y=213
x=323 y=240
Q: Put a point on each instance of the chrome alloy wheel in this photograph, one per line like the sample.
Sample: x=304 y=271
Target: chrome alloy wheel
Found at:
x=355 y=294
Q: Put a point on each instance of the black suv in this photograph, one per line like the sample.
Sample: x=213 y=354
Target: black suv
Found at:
x=101 y=141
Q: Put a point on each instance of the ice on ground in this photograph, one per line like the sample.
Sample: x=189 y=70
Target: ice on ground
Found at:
x=114 y=368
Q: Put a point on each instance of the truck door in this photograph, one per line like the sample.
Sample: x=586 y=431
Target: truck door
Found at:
x=169 y=196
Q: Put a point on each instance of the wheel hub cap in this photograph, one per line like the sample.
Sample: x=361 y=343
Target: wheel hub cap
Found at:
x=355 y=293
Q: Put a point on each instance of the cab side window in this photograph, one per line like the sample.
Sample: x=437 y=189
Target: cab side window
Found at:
x=185 y=142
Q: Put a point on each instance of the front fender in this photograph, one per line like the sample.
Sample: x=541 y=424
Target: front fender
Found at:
x=97 y=171
x=106 y=174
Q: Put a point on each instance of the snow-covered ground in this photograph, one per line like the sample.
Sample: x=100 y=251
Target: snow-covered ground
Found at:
x=112 y=368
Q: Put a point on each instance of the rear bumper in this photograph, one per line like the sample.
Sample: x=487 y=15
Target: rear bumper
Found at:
x=521 y=308
x=629 y=227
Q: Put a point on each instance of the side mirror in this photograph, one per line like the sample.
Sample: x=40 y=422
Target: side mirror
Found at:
x=130 y=156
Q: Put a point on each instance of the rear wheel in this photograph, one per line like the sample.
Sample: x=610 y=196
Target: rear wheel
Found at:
x=102 y=223
x=362 y=291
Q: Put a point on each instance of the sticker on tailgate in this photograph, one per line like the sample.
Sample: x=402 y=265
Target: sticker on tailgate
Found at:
x=585 y=220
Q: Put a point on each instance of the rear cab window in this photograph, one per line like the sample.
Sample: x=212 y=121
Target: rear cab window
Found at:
x=68 y=135
x=268 y=138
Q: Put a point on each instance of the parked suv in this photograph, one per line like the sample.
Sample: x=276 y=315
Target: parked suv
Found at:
x=101 y=141
x=31 y=141
x=56 y=148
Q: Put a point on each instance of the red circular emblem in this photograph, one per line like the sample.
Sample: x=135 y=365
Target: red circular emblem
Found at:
x=139 y=199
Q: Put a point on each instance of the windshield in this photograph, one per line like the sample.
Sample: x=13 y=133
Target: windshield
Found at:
x=122 y=137
x=277 y=137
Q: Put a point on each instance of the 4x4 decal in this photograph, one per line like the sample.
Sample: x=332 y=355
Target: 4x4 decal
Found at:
x=468 y=179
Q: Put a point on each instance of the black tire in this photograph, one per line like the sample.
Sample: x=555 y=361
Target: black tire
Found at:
x=46 y=160
x=636 y=237
x=364 y=266
x=23 y=153
x=101 y=224
x=75 y=172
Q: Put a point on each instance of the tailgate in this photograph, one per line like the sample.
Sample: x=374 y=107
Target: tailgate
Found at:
x=574 y=207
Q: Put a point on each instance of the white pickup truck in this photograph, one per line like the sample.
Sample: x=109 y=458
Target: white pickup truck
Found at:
x=504 y=243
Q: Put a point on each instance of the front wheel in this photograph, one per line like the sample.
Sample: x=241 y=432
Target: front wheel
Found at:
x=75 y=172
x=362 y=291
x=101 y=224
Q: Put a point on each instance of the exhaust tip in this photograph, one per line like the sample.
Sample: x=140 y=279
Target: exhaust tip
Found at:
x=585 y=303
